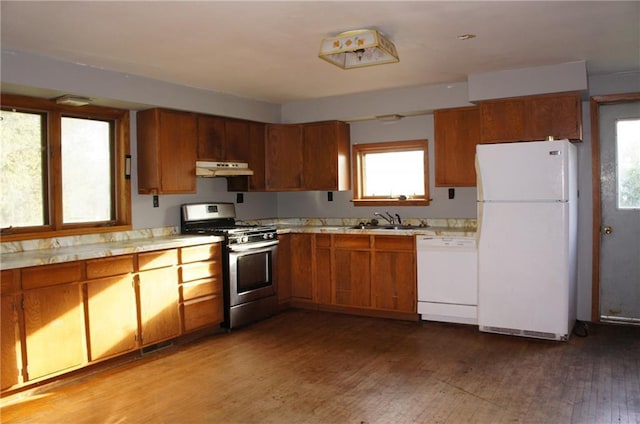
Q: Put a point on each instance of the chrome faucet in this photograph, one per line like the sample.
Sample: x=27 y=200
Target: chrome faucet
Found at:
x=389 y=218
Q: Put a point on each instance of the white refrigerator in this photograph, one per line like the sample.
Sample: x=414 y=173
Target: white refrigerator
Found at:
x=527 y=224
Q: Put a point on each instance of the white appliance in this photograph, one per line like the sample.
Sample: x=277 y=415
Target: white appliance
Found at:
x=527 y=220
x=447 y=278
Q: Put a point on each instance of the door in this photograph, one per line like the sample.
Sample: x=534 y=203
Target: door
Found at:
x=620 y=212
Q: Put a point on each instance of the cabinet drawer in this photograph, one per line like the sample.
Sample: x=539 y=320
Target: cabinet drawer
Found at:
x=106 y=267
x=7 y=277
x=49 y=275
x=352 y=242
x=159 y=259
x=193 y=290
x=394 y=243
x=203 y=252
x=199 y=270
x=323 y=240
x=202 y=312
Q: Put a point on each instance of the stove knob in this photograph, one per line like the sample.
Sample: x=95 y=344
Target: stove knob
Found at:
x=271 y=235
x=265 y=236
x=245 y=239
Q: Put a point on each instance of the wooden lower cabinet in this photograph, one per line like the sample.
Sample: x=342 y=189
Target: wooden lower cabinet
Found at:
x=323 y=269
x=11 y=360
x=201 y=296
x=158 y=305
x=283 y=272
x=393 y=281
x=54 y=314
x=60 y=317
x=53 y=311
x=353 y=272
x=111 y=307
x=301 y=266
x=353 y=278
x=111 y=316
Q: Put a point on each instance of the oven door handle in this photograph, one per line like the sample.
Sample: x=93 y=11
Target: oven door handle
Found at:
x=252 y=246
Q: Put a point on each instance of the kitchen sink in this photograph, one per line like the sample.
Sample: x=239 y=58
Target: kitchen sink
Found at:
x=384 y=227
x=398 y=227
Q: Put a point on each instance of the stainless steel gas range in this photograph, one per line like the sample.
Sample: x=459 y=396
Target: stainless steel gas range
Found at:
x=249 y=256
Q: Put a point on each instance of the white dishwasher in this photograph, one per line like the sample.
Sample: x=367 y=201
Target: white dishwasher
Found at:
x=447 y=278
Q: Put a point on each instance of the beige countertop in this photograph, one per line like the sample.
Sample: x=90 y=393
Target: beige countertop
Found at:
x=428 y=231
x=21 y=259
x=27 y=253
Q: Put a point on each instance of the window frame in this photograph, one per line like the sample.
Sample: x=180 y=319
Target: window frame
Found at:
x=358 y=152
x=52 y=132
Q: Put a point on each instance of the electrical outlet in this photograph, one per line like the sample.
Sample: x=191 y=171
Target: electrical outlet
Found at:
x=330 y=196
x=239 y=197
x=156 y=201
x=452 y=193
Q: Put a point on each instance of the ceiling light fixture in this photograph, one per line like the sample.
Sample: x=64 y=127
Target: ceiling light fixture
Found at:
x=389 y=118
x=465 y=37
x=70 y=100
x=358 y=48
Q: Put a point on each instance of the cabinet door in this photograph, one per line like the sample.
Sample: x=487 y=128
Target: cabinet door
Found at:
x=211 y=138
x=502 y=120
x=111 y=315
x=301 y=265
x=10 y=364
x=256 y=159
x=236 y=140
x=559 y=116
x=283 y=157
x=394 y=281
x=284 y=268
x=326 y=156
x=54 y=329
x=166 y=152
x=10 y=341
x=457 y=132
x=323 y=270
x=352 y=282
x=158 y=297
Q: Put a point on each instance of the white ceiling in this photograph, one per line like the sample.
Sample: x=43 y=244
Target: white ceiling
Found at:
x=267 y=50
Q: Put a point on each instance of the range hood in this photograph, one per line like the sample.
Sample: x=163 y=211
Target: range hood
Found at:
x=222 y=169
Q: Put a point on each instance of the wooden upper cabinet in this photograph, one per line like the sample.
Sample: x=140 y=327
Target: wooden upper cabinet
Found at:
x=211 y=135
x=236 y=140
x=531 y=118
x=256 y=159
x=223 y=139
x=283 y=157
x=558 y=116
x=502 y=120
x=312 y=156
x=326 y=156
x=457 y=132
x=166 y=151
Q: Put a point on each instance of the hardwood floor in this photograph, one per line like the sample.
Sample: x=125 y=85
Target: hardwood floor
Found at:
x=314 y=367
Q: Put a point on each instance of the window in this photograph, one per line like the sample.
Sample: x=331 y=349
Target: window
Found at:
x=62 y=169
x=392 y=173
x=628 y=152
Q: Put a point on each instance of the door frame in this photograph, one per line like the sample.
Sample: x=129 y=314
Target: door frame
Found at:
x=596 y=102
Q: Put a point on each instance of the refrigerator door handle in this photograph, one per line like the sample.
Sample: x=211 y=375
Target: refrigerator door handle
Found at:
x=478 y=180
